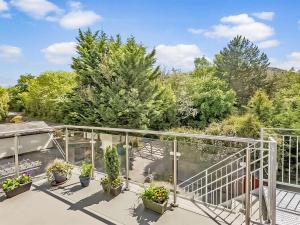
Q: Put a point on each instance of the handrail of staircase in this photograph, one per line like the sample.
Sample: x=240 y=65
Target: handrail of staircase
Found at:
x=229 y=157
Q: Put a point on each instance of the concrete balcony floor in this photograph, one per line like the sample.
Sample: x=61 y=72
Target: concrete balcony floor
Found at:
x=70 y=204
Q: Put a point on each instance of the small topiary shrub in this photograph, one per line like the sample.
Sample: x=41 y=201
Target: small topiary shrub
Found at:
x=112 y=163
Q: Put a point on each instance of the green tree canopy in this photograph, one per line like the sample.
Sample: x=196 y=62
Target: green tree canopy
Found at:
x=118 y=84
x=16 y=103
x=261 y=106
x=243 y=67
x=4 y=99
x=47 y=93
x=203 y=67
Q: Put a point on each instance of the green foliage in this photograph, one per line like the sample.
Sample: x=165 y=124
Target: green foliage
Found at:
x=246 y=125
x=261 y=106
x=16 y=103
x=86 y=169
x=60 y=167
x=118 y=85
x=243 y=67
x=116 y=182
x=17 y=119
x=112 y=163
x=203 y=67
x=156 y=194
x=287 y=107
x=211 y=98
x=11 y=184
x=46 y=94
x=4 y=100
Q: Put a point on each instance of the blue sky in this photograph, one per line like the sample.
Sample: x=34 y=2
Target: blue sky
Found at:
x=39 y=35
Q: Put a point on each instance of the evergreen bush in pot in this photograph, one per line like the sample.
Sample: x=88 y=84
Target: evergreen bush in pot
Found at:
x=112 y=167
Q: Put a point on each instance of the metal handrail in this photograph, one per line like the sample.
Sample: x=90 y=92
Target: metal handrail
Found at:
x=226 y=159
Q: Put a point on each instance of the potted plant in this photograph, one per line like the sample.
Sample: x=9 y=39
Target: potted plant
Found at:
x=112 y=167
x=86 y=172
x=155 y=198
x=58 y=171
x=116 y=186
x=105 y=184
x=15 y=186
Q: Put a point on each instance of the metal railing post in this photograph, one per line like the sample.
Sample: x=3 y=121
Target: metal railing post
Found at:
x=93 y=153
x=16 y=148
x=272 y=180
x=67 y=144
x=174 y=204
x=247 y=194
x=261 y=174
x=127 y=161
x=206 y=182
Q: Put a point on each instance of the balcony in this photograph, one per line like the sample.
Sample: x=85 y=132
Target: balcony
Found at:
x=213 y=179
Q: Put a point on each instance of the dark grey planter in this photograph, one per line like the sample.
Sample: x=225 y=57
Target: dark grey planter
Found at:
x=22 y=188
x=116 y=191
x=156 y=207
x=59 y=178
x=85 y=181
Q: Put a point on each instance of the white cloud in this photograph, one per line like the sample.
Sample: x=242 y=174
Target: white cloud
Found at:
x=10 y=53
x=38 y=9
x=264 y=15
x=195 y=31
x=292 y=60
x=3 y=5
x=238 y=19
x=5 y=15
x=179 y=56
x=268 y=44
x=79 y=19
x=242 y=24
x=60 y=53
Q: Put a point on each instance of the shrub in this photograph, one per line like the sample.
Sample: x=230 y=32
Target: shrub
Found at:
x=86 y=169
x=4 y=99
x=17 y=119
x=246 y=125
x=116 y=182
x=112 y=163
x=155 y=194
x=60 y=167
x=11 y=184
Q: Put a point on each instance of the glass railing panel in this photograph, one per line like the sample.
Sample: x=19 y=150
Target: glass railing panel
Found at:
x=7 y=159
x=38 y=150
x=150 y=160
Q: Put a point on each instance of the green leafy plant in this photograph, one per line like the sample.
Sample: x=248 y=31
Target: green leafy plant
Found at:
x=155 y=194
x=86 y=169
x=105 y=180
x=60 y=167
x=112 y=163
x=117 y=182
x=11 y=184
x=105 y=184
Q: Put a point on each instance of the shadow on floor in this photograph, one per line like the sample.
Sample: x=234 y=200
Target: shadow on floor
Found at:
x=93 y=199
x=144 y=216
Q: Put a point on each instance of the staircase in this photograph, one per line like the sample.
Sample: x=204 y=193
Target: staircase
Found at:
x=223 y=185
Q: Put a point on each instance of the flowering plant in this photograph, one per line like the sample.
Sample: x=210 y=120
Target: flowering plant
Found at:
x=156 y=194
